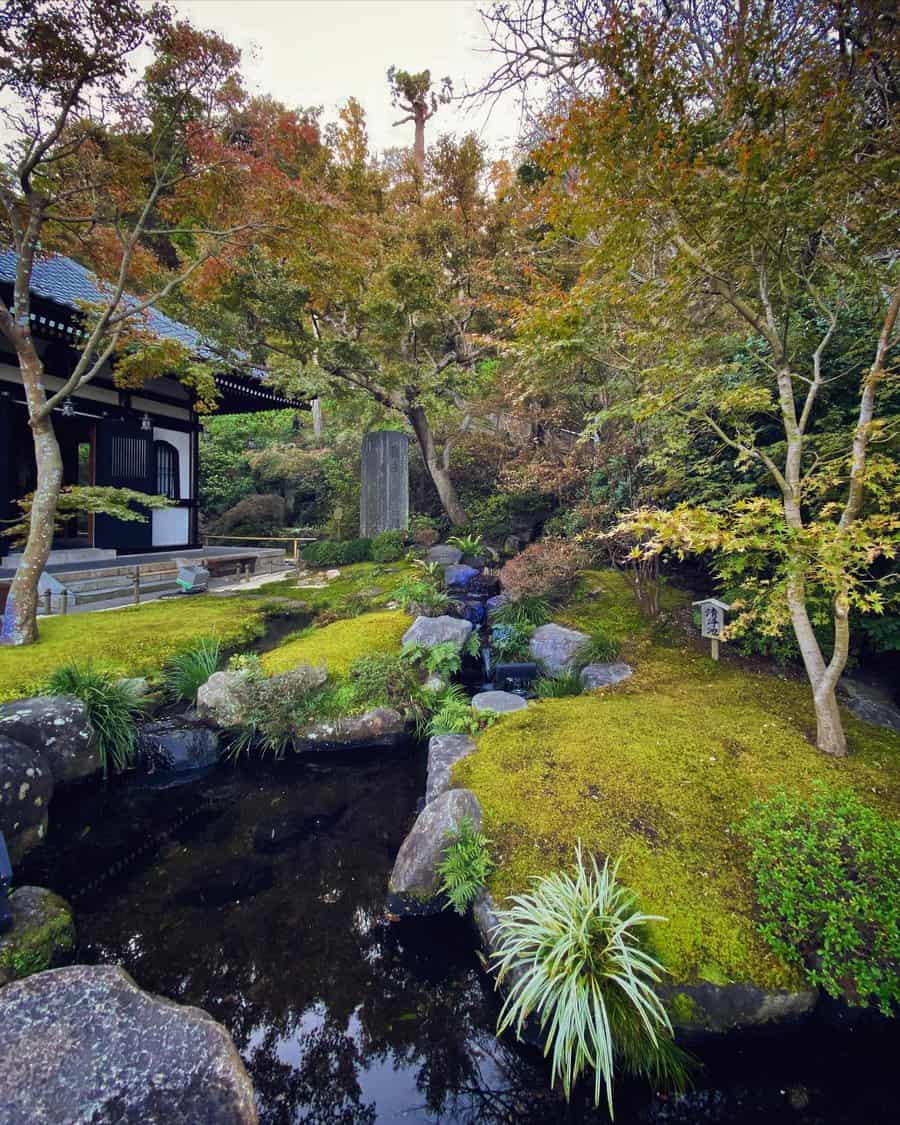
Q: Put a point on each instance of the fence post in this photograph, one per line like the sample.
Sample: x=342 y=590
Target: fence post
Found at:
x=48 y=604
x=137 y=585
x=65 y=602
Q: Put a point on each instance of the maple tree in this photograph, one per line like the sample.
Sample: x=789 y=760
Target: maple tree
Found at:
x=726 y=170
x=133 y=176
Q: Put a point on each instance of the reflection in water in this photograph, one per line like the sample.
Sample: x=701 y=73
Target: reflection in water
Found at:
x=257 y=893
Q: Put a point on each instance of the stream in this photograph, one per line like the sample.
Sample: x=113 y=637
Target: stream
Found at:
x=256 y=892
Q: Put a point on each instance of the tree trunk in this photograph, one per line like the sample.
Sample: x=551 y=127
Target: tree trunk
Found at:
x=830 y=738
x=446 y=490
x=20 y=615
x=419 y=147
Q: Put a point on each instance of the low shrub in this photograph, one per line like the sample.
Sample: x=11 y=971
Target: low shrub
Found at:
x=599 y=648
x=421 y=598
x=572 y=952
x=510 y=642
x=337 y=552
x=548 y=569
x=384 y=679
x=471 y=545
x=112 y=708
x=443 y=660
x=186 y=672
x=245 y=662
x=466 y=865
x=825 y=871
x=388 y=546
x=261 y=513
x=277 y=709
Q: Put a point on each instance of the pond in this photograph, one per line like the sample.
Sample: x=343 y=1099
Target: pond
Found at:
x=257 y=894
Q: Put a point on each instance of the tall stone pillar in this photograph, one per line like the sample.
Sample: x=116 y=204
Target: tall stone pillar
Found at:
x=384 y=496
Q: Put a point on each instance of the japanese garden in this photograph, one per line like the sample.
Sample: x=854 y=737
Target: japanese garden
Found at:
x=449 y=604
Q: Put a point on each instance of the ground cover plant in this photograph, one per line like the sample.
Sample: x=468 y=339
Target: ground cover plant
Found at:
x=657 y=771
x=573 y=948
x=112 y=708
x=338 y=645
x=826 y=871
x=133 y=641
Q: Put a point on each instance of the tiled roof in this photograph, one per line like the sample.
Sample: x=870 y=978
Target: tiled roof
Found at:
x=65 y=282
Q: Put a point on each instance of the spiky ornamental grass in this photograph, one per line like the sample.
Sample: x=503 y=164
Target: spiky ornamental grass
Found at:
x=559 y=686
x=112 y=707
x=188 y=671
x=527 y=610
x=571 y=950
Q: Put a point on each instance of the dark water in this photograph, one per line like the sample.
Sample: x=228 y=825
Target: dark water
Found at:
x=257 y=894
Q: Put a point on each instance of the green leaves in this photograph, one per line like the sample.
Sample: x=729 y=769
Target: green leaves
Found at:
x=466 y=865
x=111 y=706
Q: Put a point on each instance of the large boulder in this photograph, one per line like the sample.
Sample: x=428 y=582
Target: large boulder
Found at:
x=42 y=936
x=26 y=786
x=381 y=727
x=500 y=702
x=444 y=751
x=58 y=727
x=179 y=744
x=85 y=1045
x=443 y=555
x=414 y=885
x=870 y=704
x=604 y=675
x=431 y=631
x=223 y=699
x=555 y=647
x=459 y=576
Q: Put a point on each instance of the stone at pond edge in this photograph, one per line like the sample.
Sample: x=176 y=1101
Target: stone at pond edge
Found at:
x=459 y=577
x=413 y=888
x=431 y=631
x=179 y=744
x=26 y=786
x=86 y=1046
x=500 y=702
x=603 y=675
x=381 y=727
x=223 y=699
x=443 y=555
x=555 y=647
x=42 y=937
x=444 y=751
x=58 y=727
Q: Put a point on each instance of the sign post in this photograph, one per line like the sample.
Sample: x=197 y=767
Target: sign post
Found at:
x=712 y=622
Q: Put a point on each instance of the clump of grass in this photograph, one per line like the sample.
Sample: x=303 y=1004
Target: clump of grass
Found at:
x=572 y=951
x=112 y=708
x=465 y=866
x=558 y=686
x=189 y=670
x=599 y=648
x=527 y=610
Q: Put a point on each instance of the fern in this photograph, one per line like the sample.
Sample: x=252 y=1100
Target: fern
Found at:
x=465 y=866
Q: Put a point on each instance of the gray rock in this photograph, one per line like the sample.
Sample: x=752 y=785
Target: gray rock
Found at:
x=444 y=751
x=602 y=675
x=555 y=647
x=139 y=686
x=58 y=727
x=381 y=727
x=459 y=576
x=431 y=631
x=870 y=704
x=85 y=1046
x=434 y=683
x=26 y=786
x=42 y=936
x=499 y=701
x=495 y=603
x=443 y=555
x=223 y=699
x=512 y=544
x=414 y=884
x=180 y=744
x=715 y=1009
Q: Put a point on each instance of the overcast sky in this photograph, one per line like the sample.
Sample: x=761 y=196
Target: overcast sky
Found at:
x=320 y=52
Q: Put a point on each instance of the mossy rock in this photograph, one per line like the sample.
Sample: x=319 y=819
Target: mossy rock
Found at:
x=657 y=771
x=42 y=937
x=338 y=645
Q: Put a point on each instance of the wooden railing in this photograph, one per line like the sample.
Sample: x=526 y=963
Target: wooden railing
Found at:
x=294 y=540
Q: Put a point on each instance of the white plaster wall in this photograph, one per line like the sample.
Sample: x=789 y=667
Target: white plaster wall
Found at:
x=171 y=527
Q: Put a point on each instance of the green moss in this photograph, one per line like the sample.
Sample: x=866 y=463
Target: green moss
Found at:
x=338 y=645
x=37 y=943
x=133 y=641
x=684 y=1010
x=657 y=771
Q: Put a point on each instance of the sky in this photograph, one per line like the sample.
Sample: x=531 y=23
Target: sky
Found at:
x=320 y=52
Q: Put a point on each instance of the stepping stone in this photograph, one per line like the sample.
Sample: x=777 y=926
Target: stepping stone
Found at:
x=602 y=675
x=499 y=701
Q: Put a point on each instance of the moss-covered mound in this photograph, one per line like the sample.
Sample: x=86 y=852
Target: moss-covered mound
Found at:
x=657 y=770
x=368 y=584
x=338 y=645
x=134 y=641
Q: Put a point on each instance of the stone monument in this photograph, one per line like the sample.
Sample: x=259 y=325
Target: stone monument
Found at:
x=384 y=496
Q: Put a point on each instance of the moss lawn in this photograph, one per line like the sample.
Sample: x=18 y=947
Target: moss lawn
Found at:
x=338 y=645
x=656 y=771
